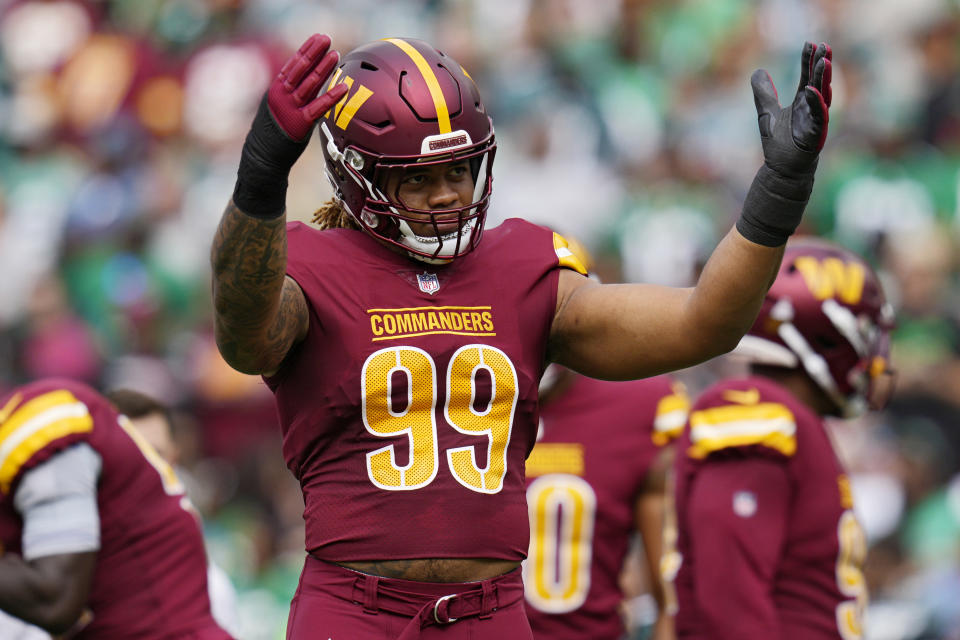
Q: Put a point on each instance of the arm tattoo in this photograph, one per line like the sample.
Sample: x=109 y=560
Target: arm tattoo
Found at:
x=259 y=314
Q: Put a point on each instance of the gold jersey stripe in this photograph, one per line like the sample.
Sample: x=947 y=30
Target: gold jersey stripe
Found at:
x=33 y=408
x=567 y=258
x=427 y=309
x=443 y=114
x=673 y=402
x=670 y=421
x=431 y=333
x=39 y=430
x=769 y=423
x=787 y=445
x=670 y=418
x=846 y=492
x=663 y=438
x=171 y=483
x=555 y=457
x=671 y=415
x=737 y=396
x=671 y=412
x=734 y=413
x=10 y=406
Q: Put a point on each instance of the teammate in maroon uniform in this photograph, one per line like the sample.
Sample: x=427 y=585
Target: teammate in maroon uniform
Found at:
x=405 y=354
x=97 y=536
x=593 y=478
x=154 y=421
x=768 y=545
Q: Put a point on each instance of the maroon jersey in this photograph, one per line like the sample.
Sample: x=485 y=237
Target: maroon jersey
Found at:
x=150 y=579
x=410 y=406
x=767 y=543
x=583 y=478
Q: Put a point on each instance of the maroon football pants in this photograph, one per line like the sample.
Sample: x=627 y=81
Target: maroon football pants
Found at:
x=336 y=603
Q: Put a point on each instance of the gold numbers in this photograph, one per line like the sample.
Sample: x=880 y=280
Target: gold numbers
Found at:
x=399 y=391
x=494 y=420
x=171 y=483
x=563 y=510
x=850 y=580
x=415 y=419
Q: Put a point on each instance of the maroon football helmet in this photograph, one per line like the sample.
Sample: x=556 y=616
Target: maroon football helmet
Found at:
x=826 y=312
x=409 y=105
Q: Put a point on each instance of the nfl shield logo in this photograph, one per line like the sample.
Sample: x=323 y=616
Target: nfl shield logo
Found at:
x=744 y=503
x=429 y=283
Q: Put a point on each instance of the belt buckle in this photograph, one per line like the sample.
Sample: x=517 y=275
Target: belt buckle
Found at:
x=436 y=609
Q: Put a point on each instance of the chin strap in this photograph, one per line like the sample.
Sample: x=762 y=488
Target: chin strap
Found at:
x=331 y=146
x=813 y=363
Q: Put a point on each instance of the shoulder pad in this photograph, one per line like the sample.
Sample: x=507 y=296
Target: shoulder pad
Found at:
x=567 y=254
x=742 y=421
x=671 y=415
x=29 y=427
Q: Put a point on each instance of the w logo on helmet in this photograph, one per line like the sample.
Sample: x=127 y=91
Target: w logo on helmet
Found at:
x=348 y=106
x=832 y=278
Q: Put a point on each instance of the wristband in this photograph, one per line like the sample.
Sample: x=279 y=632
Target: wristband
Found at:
x=265 y=163
x=774 y=206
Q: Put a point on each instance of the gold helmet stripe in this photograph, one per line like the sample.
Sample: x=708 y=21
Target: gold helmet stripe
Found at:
x=443 y=114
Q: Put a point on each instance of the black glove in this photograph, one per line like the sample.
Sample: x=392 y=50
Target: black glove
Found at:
x=282 y=126
x=792 y=138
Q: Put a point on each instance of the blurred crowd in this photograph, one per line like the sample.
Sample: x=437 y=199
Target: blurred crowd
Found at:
x=628 y=124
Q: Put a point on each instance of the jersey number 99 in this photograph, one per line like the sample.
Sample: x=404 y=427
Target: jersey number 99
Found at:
x=415 y=417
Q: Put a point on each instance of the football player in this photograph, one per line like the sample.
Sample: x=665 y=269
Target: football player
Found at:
x=98 y=539
x=153 y=420
x=595 y=476
x=405 y=353
x=768 y=545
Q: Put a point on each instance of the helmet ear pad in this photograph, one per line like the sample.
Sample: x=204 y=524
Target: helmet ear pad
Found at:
x=408 y=104
x=825 y=314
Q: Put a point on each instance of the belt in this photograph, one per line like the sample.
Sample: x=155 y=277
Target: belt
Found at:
x=476 y=599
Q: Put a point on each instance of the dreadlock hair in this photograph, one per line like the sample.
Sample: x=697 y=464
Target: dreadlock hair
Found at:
x=333 y=215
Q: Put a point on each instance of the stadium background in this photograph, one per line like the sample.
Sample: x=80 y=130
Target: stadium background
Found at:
x=627 y=124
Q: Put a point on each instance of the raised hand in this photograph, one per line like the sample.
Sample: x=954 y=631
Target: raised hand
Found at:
x=282 y=126
x=793 y=136
x=292 y=96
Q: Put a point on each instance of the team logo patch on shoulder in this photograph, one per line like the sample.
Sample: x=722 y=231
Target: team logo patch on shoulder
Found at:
x=428 y=282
